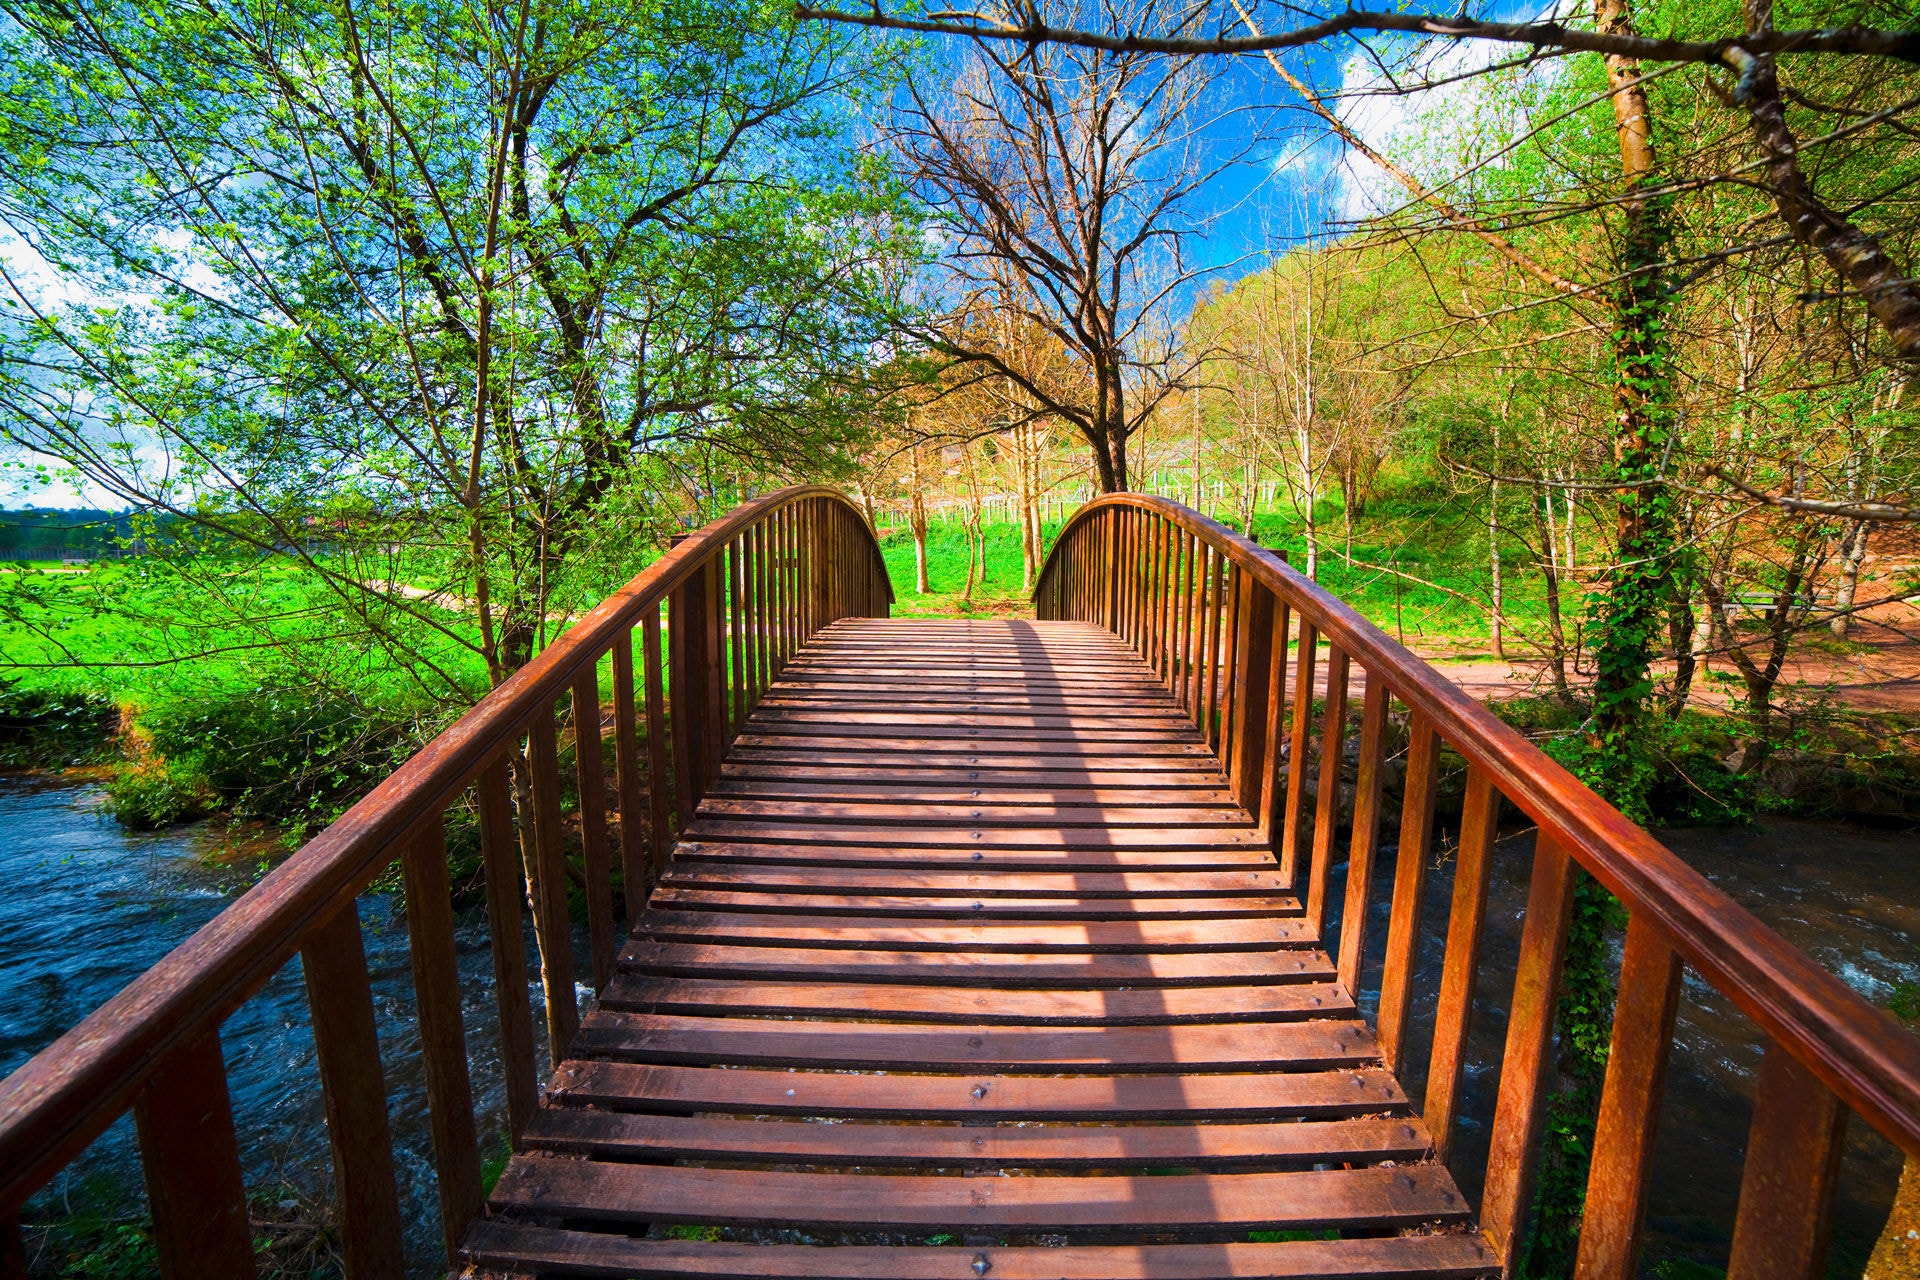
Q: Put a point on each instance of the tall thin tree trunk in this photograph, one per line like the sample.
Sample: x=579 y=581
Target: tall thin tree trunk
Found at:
x=917 y=521
x=1493 y=538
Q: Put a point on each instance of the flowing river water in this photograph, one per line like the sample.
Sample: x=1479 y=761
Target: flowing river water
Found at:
x=86 y=906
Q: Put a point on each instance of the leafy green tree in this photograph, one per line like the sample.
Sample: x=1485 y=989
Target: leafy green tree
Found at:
x=452 y=306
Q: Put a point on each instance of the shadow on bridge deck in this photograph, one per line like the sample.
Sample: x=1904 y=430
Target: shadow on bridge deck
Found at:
x=971 y=965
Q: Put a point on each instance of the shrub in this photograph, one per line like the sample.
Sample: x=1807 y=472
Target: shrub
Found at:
x=277 y=751
x=43 y=730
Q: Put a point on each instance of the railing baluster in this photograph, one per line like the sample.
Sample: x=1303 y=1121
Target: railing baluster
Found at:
x=803 y=539
x=443 y=1036
x=653 y=672
x=1366 y=838
x=1409 y=888
x=1479 y=828
x=762 y=641
x=1252 y=678
x=1297 y=753
x=184 y=1118
x=1333 y=744
x=1164 y=600
x=1190 y=552
x=1225 y=738
x=1793 y=1163
x=504 y=883
x=1179 y=633
x=1269 y=800
x=1524 y=1065
x=712 y=676
x=740 y=703
x=1216 y=611
x=1630 y=1101
x=627 y=779
x=777 y=568
x=548 y=885
x=590 y=776
x=1110 y=577
x=346 y=1046
x=1190 y=623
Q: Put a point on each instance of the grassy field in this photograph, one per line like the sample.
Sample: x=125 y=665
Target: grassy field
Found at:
x=1418 y=569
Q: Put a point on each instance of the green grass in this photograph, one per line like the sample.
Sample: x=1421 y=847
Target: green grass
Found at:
x=1433 y=537
x=997 y=595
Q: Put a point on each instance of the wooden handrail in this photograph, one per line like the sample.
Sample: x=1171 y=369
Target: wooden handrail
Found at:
x=820 y=557
x=1119 y=562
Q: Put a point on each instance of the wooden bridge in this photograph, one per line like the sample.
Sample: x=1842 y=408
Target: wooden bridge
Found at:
x=984 y=949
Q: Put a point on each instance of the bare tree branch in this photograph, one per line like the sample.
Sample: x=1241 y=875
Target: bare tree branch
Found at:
x=1854 y=40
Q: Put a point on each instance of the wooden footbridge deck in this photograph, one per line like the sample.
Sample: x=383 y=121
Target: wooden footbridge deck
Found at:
x=995 y=949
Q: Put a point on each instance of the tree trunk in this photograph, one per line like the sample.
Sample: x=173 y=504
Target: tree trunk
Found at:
x=1550 y=573
x=917 y=521
x=1493 y=541
x=1853 y=553
x=1630 y=611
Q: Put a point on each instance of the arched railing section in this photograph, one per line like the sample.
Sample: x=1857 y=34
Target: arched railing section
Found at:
x=1237 y=635
x=740 y=596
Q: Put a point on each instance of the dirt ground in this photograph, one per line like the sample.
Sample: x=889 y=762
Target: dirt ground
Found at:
x=1876 y=669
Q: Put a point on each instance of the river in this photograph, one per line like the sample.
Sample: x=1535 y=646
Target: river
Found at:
x=87 y=906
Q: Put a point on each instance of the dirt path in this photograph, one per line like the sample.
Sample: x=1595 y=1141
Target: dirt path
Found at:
x=1882 y=673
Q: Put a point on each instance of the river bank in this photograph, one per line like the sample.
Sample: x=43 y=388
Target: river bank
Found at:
x=88 y=906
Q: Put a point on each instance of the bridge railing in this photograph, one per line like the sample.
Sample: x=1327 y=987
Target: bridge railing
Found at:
x=740 y=596
x=1214 y=614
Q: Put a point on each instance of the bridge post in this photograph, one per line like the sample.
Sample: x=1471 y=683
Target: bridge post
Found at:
x=184 y=1118
x=346 y=1042
x=1525 y=1064
x=1252 y=678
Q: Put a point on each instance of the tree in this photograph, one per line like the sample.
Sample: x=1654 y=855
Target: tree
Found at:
x=1063 y=179
x=442 y=304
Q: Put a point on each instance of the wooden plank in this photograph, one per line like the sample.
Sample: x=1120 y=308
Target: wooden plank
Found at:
x=443 y=1038
x=903 y=1002
x=878 y=905
x=1253 y=660
x=13 y=1248
x=629 y=780
x=517 y=1246
x=1524 y=1066
x=731 y=837
x=885 y=770
x=842 y=717
x=1123 y=743
x=653 y=673
x=353 y=1087
x=905 y=795
x=1098 y=936
x=696 y=1040
x=1453 y=1015
x=1792 y=1166
x=500 y=863
x=930 y=813
x=547 y=875
x=1296 y=802
x=608 y=1135
x=1630 y=1104
x=978 y=968
x=1364 y=846
x=1409 y=886
x=184 y=1119
x=1365 y=1198
x=591 y=782
x=981 y=884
